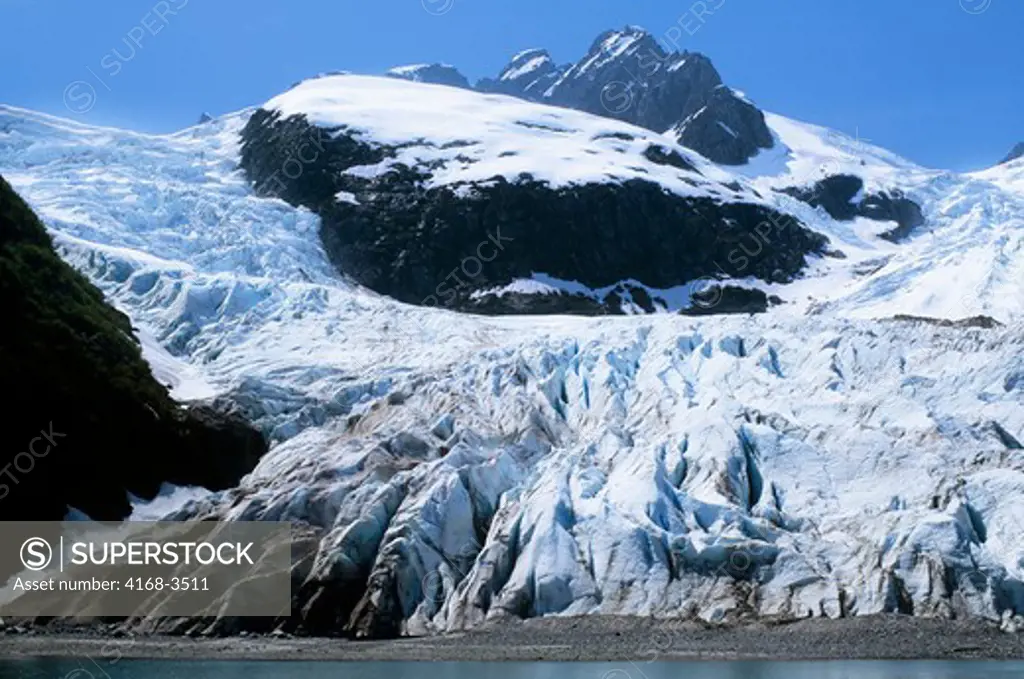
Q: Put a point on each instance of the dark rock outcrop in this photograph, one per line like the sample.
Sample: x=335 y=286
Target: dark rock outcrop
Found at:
x=1015 y=153
x=528 y=76
x=627 y=75
x=452 y=245
x=834 y=193
x=437 y=74
x=729 y=299
x=666 y=156
x=88 y=422
x=432 y=246
x=893 y=206
x=727 y=129
x=838 y=196
x=217 y=426
x=516 y=303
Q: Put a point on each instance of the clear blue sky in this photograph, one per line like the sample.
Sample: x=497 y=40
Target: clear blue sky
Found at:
x=938 y=81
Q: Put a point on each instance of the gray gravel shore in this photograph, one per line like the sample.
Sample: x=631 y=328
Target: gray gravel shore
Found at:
x=584 y=639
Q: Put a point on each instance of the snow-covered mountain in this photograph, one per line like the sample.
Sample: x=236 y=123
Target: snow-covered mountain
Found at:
x=833 y=456
x=1016 y=152
x=438 y=74
x=510 y=191
x=628 y=75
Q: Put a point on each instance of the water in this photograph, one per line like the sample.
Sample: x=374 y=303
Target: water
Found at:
x=230 y=669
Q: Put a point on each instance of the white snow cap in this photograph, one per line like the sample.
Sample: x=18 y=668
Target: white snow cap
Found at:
x=481 y=136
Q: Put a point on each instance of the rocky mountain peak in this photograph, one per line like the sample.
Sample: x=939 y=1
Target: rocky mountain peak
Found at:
x=528 y=75
x=619 y=41
x=527 y=61
x=1015 y=153
x=437 y=74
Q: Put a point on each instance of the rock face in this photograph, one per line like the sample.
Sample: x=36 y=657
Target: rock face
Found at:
x=727 y=128
x=459 y=469
x=459 y=246
x=627 y=75
x=840 y=196
x=89 y=421
x=1014 y=154
x=528 y=75
x=437 y=74
x=219 y=428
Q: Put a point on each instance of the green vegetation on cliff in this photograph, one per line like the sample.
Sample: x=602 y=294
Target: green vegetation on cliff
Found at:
x=84 y=420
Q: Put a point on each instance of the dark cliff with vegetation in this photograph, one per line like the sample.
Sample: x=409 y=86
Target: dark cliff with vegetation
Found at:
x=85 y=422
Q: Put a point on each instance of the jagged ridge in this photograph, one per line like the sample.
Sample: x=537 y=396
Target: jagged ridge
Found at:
x=627 y=75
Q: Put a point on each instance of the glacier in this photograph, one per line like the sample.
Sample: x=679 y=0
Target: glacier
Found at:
x=843 y=454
